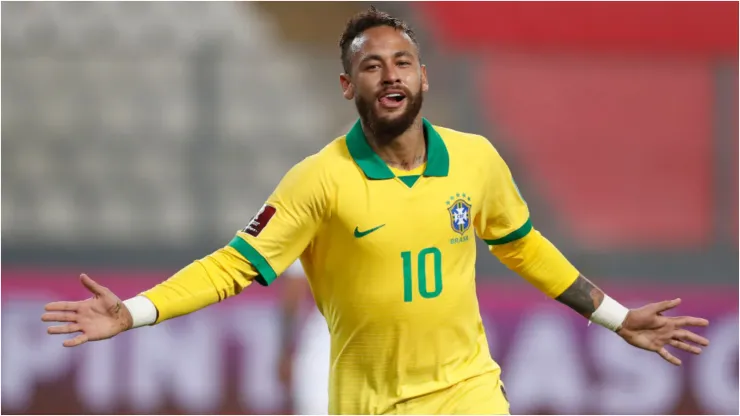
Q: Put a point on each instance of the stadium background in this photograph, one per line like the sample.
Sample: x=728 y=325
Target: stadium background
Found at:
x=139 y=136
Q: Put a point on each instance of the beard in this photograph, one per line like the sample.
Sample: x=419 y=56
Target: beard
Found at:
x=386 y=129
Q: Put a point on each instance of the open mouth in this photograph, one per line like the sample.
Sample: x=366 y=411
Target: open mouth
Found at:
x=392 y=99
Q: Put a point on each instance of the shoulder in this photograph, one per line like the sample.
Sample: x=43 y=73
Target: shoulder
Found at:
x=321 y=162
x=335 y=152
x=469 y=146
x=333 y=161
x=321 y=169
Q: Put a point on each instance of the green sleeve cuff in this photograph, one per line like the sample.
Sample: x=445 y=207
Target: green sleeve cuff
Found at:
x=266 y=275
x=521 y=232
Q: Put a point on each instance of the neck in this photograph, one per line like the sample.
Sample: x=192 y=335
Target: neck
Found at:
x=406 y=151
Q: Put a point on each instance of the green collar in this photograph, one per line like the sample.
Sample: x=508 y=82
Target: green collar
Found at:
x=438 y=160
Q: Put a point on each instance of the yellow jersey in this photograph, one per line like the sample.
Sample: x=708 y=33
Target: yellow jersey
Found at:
x=390 y=257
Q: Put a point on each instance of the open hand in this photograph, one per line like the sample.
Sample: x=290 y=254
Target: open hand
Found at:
x=648 y=329
x=100 y=317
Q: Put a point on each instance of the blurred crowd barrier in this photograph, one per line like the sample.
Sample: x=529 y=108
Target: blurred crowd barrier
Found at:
x=137 y=136
x=224 y=359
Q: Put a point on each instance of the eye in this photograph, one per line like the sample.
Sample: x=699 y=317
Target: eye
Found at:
x=404 y=63
x=372 y=67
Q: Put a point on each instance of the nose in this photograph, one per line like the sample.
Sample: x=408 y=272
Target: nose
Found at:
x=391 y=76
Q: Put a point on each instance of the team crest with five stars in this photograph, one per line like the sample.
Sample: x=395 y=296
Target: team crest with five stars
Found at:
x=459 y=207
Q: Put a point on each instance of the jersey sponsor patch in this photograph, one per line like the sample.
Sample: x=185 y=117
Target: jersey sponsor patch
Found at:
x=259 y=221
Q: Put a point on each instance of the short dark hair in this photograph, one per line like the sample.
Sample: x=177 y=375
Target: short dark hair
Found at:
x=367 y=20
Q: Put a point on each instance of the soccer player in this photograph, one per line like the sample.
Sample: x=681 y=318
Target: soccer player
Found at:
x=304 y=362
x=383 y=222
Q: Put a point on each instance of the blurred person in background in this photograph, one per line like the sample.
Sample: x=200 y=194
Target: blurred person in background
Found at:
x=392 y=272
x=304 y=361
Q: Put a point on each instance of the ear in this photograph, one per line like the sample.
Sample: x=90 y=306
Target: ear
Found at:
x=424 y=79
x=348 y=89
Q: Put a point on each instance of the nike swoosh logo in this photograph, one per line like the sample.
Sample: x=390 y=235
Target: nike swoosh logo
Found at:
x=360 y=234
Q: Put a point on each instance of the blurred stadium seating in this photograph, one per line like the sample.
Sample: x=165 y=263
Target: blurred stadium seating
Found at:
x=114 y=102
x=140 y=135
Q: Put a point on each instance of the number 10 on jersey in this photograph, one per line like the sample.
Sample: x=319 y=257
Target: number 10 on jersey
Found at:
x=421 y=268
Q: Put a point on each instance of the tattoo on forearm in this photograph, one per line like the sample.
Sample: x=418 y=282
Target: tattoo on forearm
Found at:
x=582 y=296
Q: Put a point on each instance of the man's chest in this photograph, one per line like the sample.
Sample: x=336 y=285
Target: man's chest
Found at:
x=388 y=216
x=399 y=251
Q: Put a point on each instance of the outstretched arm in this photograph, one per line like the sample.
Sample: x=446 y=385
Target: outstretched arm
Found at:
x=504 y=224
x=272 y=240
x=539 y=262
x=203 y=282
x=645 y=327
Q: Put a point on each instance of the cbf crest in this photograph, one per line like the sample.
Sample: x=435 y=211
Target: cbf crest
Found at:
x=459 y=207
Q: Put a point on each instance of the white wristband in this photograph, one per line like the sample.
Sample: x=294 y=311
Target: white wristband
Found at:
x=610 y=314
x=142 y=310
